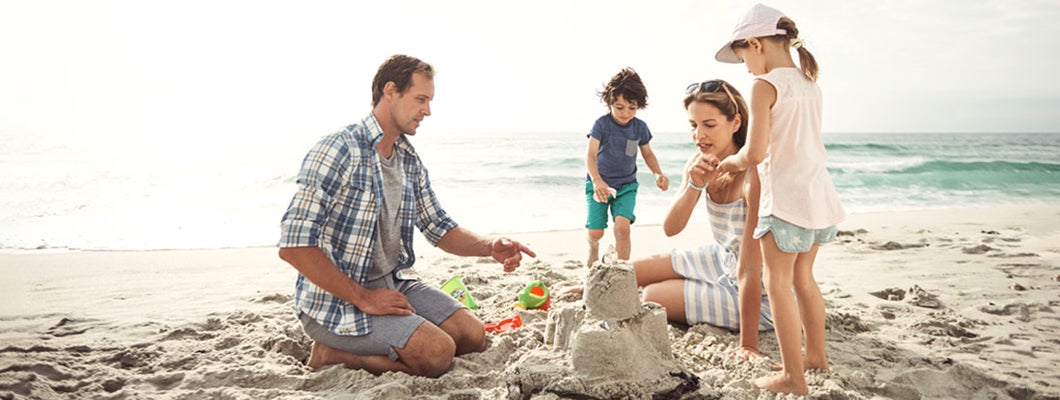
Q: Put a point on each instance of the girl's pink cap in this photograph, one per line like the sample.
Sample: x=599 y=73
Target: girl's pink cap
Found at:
x=760 y=21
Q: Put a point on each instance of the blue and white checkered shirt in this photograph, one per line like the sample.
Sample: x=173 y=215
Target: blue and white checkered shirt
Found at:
x=336 y=208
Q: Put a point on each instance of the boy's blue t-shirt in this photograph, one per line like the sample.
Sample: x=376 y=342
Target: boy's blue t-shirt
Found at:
x=617 y=157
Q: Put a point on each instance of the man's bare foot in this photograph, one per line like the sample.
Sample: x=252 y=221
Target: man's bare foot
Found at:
x=782 y=383
x=319 y=356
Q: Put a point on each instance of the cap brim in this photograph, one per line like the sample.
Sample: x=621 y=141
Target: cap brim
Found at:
x=726 y=55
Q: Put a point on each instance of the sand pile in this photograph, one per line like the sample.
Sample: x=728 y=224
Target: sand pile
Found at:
x=611 y=345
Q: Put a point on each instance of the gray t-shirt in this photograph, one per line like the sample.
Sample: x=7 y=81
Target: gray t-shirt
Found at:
x=387 y=251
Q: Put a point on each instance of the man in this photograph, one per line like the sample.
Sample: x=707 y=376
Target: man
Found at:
x=348 y=232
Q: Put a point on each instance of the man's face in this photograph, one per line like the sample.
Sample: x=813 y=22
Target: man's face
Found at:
x=411 y=107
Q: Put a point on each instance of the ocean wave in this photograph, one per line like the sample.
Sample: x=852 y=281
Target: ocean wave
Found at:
x=868 y=147
x=942 y=166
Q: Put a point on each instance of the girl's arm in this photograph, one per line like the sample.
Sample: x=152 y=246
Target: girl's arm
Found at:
x=661 y=180
x=749 y=273
x=763 y=96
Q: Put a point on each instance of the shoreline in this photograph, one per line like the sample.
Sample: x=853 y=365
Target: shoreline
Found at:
x=936 y=303
x=854 y=219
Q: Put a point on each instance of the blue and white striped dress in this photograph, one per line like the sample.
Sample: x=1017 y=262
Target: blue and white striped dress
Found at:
x=710 y=271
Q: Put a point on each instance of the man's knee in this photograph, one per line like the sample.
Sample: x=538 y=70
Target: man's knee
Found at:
x=429 y=351
x=467 y=332
x=473 y=340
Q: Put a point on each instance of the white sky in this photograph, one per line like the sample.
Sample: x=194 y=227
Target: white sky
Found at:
x=234 y=70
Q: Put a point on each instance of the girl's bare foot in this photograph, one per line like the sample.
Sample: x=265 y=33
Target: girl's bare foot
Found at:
x=782 y=383
x=750 y=354
x=810 y=364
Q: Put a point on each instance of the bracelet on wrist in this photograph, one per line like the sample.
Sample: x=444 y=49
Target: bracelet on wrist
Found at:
x=693 y=185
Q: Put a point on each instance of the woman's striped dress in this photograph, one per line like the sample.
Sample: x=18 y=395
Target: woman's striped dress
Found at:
x=710 y=271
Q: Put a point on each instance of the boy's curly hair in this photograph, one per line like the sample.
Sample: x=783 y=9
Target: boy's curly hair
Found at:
x=625 y=83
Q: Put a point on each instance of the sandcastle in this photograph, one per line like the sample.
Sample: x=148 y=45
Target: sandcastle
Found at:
x=610 y=345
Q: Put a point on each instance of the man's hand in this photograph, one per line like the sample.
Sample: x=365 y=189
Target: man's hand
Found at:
x=509 y=253
x=384 y=302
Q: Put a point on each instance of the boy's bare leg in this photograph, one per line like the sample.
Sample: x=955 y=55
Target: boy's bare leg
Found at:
x=594 y=246
x=622 y=241
x=811 y=307
x=787 y=323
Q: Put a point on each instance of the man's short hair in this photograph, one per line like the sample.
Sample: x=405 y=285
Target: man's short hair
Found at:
x=398 y=69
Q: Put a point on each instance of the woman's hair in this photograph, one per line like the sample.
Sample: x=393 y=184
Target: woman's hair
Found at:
x=720 y=99
x=806 y=60
x=625 y=83
x=398 y=69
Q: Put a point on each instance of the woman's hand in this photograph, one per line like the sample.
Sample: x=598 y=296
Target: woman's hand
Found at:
x=702 y=169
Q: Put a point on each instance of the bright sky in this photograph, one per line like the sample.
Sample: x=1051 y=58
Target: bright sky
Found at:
x=197 y=71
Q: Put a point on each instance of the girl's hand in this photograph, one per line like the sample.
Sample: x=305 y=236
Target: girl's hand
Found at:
x=662 y=182
x=729 y=164
x=703 y=169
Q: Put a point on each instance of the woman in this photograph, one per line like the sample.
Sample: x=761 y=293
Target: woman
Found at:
x=700 y=285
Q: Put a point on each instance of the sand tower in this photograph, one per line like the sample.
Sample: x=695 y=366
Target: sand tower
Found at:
x=610 y=345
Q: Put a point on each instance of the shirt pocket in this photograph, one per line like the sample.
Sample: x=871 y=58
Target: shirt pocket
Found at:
x=631 y=147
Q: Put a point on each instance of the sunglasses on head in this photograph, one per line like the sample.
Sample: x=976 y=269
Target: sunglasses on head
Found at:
x=712 y=86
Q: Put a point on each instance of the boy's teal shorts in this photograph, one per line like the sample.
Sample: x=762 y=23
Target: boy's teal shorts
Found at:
x=621 y=204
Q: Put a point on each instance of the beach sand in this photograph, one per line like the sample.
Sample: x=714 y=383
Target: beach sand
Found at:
x=955 y=303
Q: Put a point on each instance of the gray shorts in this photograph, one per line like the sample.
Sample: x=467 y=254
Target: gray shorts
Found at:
x=389 y=331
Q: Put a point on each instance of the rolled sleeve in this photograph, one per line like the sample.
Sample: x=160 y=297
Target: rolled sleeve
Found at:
x=431 y=219
x=319 y=178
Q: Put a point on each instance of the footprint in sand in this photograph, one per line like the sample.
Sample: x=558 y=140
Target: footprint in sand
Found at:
x=920 y=297
x=67 y=327
x=893 y=294
x=917 y=296
x=1023 y=311
x=980 y=249
x=892 y=245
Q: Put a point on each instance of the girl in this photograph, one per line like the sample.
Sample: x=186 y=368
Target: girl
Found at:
x=798 y=206
x=700 y=285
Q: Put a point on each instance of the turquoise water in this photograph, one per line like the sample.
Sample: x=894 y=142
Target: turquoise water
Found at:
x=58 y=195
x=873 y=172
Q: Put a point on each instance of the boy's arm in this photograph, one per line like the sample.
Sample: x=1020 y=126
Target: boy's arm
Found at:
x=661 y=180
x=749 y=273
x=599 y=186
